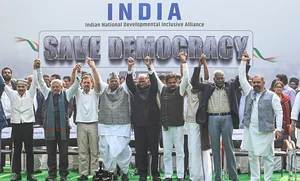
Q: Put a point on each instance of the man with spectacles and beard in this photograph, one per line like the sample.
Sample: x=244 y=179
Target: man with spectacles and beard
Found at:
x=217 y=108
x=262 y=108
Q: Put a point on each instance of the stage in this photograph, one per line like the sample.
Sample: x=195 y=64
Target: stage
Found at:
x=73 y=176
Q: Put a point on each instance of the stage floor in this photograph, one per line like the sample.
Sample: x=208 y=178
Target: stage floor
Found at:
x=73 y=176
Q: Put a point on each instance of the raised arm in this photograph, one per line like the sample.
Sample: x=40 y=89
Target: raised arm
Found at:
x=129 y=77
x=74 y=87
x=43 y=87
x=185 y=73
x=152 y=76
x=246 y=87
x=32 y=88
x=160 y=85
x=73 y=76
x=195 y=78
x=203 y=60
x=95 y=73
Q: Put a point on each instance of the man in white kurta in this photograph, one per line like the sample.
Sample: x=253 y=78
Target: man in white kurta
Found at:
x=259 y=131
x=114 y=126
x=199 y=159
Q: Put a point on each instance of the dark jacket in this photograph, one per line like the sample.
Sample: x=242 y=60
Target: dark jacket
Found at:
x=145 y=111
x=2 y=85
x=39 y=117
x=3 y=122
x=207 y=91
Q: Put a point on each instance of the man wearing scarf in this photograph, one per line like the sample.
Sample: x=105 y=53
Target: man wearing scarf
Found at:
x=114 y=125
x=171 y=118
x=56 y=125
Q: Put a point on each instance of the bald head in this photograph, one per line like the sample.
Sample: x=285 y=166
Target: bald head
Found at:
x=143 y=81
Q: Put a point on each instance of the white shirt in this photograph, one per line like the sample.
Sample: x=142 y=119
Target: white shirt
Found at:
x=296 y=108
x=22 y=106
x=242 y=109
x=6 y=105
x=87 y=106
x=246 y=87
x=290 y=92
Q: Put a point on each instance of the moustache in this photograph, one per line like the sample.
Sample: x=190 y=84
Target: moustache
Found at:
x=256 y=88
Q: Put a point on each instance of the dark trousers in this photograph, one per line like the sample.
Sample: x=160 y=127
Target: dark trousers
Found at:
x=23 y=133
x=63 y=155
x=186 y=155
x=146 y=138
x=3 y=144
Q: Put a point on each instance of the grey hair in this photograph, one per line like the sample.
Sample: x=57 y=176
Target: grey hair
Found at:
x=56 y=81
x=218 y=71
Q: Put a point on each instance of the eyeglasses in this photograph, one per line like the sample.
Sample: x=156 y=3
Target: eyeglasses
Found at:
x=278 y=87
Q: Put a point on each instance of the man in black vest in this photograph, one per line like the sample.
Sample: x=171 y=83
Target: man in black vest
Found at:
x=57 y=129
x=145 y=119
x=171 y=118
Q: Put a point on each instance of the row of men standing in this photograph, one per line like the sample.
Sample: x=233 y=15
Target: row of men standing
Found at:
x=113 y=120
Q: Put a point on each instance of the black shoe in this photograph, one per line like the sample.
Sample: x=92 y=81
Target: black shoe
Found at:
x=181 y=179
x=50 y=178
x=1 y=170
x=83 y=177
x=168 y=179
x=156 y=179
x=143 y=178
x=38 y=171
x=124 y=177
x=95 y=178
x=31 y=177
x=16 y=177
x=63 y=178
x=107 y=176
